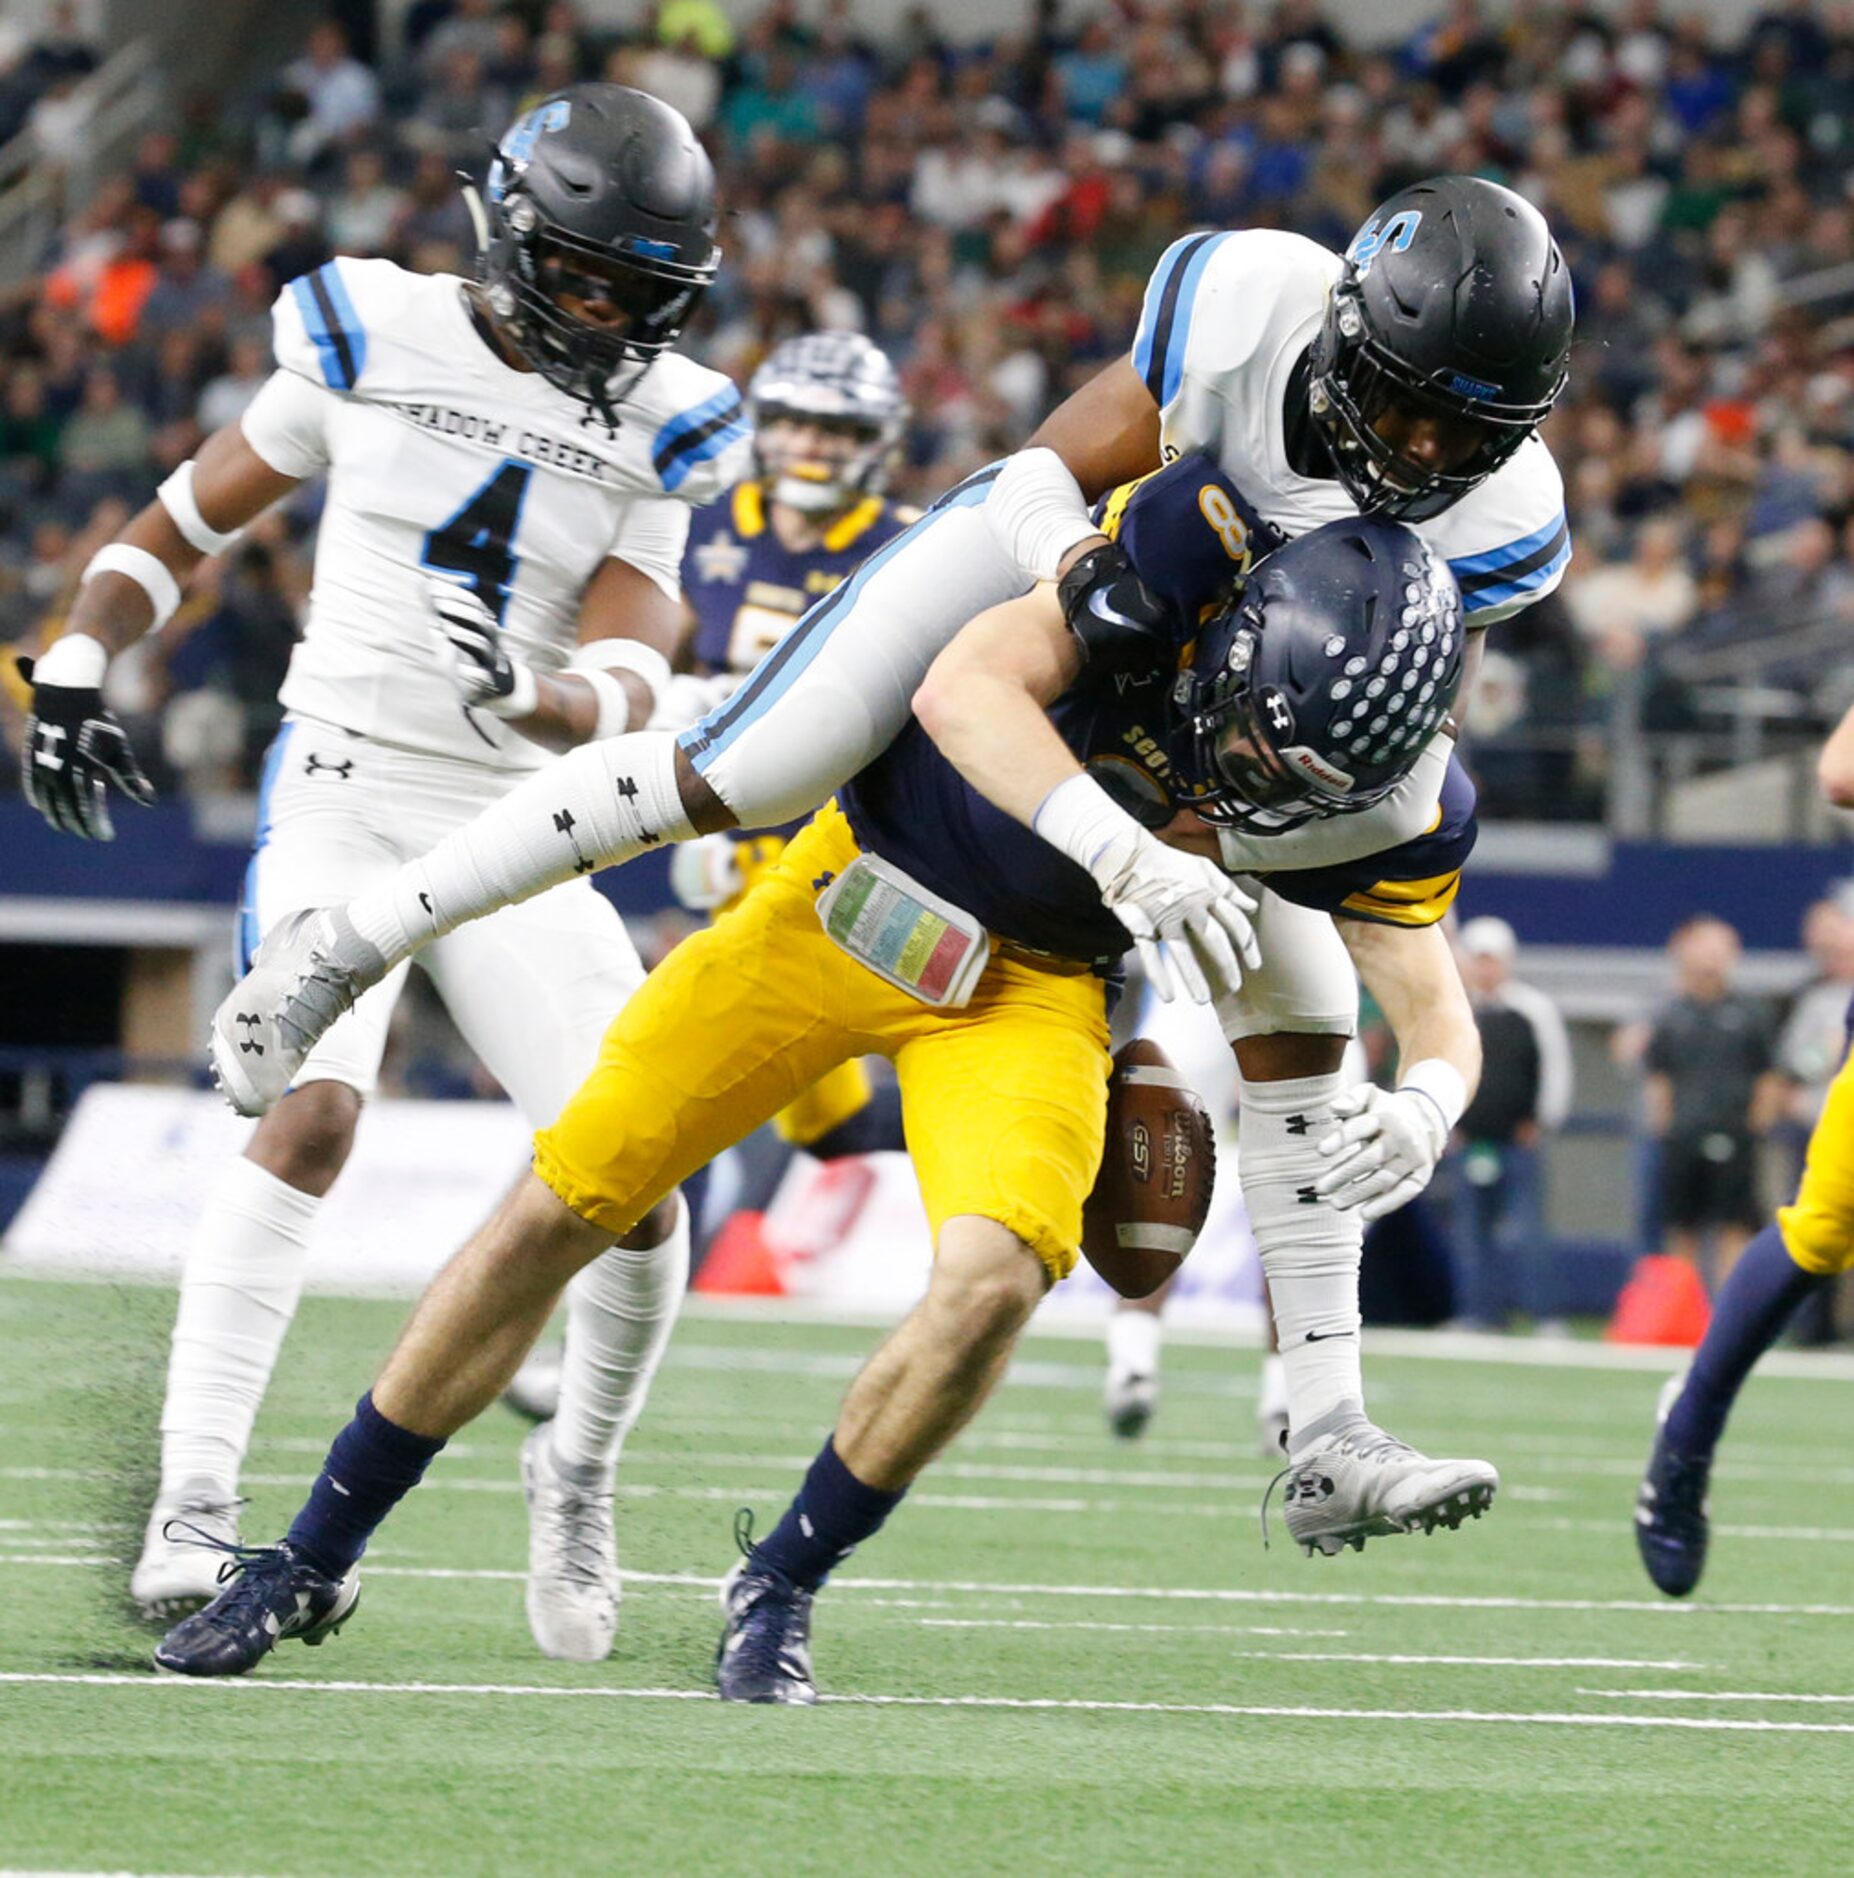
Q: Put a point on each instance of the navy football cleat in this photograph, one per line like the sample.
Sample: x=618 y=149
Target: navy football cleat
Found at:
x=1671 y=1523
x=271 y=1592
x=765 y=1649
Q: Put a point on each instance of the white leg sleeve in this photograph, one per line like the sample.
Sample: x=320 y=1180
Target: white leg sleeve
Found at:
x=1310 y=1250
x=599 y=805
x=243 y=1275
x=833 y=694
x=620 y=1311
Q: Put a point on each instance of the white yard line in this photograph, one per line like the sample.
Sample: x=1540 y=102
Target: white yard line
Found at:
x=1053 y=1704
x=1044 y=1623
x=1713 y=1695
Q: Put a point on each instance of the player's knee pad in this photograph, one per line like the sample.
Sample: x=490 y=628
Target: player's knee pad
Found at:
x=1818 y=1231
x=1278 y=1162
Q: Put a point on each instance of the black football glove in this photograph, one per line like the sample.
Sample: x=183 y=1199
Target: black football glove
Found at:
x=1123 y=626
x=75 y=751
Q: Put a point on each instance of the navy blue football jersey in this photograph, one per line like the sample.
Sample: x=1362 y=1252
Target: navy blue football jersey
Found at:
x=1191 y=538
x=747 y=591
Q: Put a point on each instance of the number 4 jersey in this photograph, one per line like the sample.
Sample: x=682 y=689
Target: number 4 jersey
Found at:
x=442 y=460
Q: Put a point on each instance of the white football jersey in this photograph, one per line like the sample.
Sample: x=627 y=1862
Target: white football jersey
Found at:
x=442 y=459
x=1226 y=318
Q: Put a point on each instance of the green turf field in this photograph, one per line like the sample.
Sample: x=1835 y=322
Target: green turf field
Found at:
x=1065 y=1653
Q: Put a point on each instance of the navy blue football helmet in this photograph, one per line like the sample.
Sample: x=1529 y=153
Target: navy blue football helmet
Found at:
x=1316 y=691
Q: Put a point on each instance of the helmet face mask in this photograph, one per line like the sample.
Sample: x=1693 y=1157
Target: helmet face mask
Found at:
x=1452 y=314
x=598 y=198
x=1314 y=694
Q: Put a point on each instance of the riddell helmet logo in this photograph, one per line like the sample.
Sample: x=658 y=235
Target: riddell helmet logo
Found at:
x=1317 y=767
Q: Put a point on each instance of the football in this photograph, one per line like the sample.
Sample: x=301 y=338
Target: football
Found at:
x=1158 y=1170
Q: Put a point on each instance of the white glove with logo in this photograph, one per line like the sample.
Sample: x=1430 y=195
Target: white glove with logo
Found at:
x=1189 y=919
x=705 y=873
x=475 y=654
x=1388 y=1141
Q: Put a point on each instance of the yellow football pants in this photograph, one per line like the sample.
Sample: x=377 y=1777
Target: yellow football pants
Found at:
x=839 y=1093
x=1818 y=1230
x=1004 y=1101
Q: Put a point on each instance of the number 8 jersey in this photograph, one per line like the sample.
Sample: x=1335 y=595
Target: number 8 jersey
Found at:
x=445 y=460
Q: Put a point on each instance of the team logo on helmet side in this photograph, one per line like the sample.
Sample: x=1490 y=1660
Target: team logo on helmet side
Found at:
x=1371 y=240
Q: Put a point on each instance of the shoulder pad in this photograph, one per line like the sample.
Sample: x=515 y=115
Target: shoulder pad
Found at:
x=1214 y=298
x=320 y=322
x=697 y=428
x=1509 y=541
x=1412 y=884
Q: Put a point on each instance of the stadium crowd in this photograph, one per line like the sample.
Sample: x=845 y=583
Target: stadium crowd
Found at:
x=989 y=213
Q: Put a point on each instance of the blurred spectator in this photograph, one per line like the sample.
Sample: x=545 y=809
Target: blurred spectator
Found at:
x=339 y=95
x=1495 y=1185
x=1711 y=1096
x=365 y=216
x=1814 y=1040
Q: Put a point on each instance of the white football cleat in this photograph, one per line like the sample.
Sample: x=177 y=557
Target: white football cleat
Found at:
x=309 y=970
x=179 y=1574
x=1130 y=1401
x=573 y=1583
x=1349 y=1481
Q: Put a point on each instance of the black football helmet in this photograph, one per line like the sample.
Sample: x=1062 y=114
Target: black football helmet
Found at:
x=1316 y=691
x=603 y=192
x=1453 y=300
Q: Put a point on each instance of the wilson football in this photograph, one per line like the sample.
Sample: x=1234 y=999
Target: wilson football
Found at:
x=1158 y=1171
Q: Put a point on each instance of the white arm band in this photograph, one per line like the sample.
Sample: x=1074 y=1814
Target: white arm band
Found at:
x=1442 y=1083
x=176 y=496
x=152 y=575
x=1036 y=512
x=596 y=662
x=1080 y=818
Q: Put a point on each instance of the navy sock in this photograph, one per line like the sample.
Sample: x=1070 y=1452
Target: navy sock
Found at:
x=373 y=1465
x=1753 y=1306
x=832 y=1515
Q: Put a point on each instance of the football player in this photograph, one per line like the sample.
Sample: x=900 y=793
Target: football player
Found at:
x=962 y=911
x=510 y=466
x=828 y=415
x=1405 y=379
x=1810 y=1244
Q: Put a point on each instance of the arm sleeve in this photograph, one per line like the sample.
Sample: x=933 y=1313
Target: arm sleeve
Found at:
x=651 y=536
x=287 y=424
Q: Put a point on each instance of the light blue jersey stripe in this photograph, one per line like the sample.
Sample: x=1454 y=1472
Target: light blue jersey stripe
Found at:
x=1513 y=589
x=1510 y=552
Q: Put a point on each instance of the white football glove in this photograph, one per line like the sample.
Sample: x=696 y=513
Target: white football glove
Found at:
x=1189 y=919
x=1193 y=925
x=475 y=655
x=688 y=698
x=705 y=873
x=1384 y=1150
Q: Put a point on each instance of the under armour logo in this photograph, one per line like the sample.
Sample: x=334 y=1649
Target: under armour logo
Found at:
x=424 y=900
x=248 y=1045
x=823 y=880
x=627 y=788
x=564 y=822
x=1278 y=713
x=1305 y=1196
x=314 y=766
x=1297 y=1124
x=1306 y=1487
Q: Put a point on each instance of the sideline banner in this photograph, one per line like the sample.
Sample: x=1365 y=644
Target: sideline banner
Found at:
x=132 y=1171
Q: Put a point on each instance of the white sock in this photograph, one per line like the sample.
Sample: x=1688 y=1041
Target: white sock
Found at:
x=1271 y=1395
x=243 y=1275
x=601 y=804
x=1133 y=1342
x=1310 y=1250
x=620 y=1311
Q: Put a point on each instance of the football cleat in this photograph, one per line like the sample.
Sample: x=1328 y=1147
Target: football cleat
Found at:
x=1671 y=1524
x=182 y=1550
x=271 y=1592
x=309 y=970
x=1130 y=1401
x=1350 y=1482
x=765 y=1649
x=534 y=1394
x=573 y=1583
